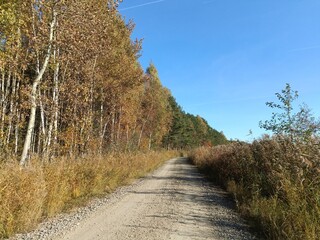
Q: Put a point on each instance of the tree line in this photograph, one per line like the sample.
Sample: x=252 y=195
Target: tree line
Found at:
x=71 y=83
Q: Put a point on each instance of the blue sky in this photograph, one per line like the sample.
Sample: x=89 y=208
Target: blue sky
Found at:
x=223 y=59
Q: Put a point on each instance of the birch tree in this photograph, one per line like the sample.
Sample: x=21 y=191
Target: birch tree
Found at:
x=35 y=84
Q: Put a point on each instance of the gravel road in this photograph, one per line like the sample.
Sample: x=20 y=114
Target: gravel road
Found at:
x=174 y=202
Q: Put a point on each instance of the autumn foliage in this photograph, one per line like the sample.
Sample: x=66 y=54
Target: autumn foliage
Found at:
x=71 y=82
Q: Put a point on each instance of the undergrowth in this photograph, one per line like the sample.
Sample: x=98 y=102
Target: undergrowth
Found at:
x=40 y=191
x=275 y=182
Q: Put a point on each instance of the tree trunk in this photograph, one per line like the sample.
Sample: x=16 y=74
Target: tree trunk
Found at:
x=11 y=109
x=2 y=104
x=33 y=97
x=112 y=128
x=56 y=104
x=150 y=141
x=101 y=128
x=141 y=132
x=16 y=133
x=42 y=129
x=4 y=101
x=53 y=126
x=18 y=118
x=119 y=126
x=127 y=136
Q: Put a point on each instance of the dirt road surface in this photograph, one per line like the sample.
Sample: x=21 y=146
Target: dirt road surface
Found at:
x=175 y=202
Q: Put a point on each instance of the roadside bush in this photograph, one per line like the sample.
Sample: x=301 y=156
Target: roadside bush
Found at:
x=27 y=196
x=275 y=182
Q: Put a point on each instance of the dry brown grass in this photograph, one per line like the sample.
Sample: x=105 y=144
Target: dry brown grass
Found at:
x=42 y=190
x=276 y=184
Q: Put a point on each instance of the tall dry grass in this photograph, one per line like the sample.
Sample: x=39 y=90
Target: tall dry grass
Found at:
x=40 y=191
x=276 y=184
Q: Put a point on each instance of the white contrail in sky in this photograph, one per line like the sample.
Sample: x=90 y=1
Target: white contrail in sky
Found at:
x=206 y=2
x=305 y=48
x=141 y=5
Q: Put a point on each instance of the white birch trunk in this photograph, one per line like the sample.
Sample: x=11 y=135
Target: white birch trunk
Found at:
x=11 y=108
x=16 y=133
x=33 y=97
x=53 y=125
x=101 y=128
x=141 y=132
x=56 y=104
x=18 y=119
x=112 y=128
x=2 y=104
x=119 y=125
x=150 y=141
